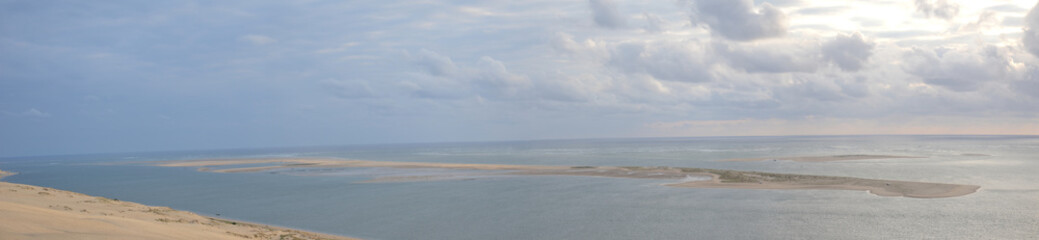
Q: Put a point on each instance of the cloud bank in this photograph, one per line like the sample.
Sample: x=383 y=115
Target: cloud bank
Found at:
x=227 y=74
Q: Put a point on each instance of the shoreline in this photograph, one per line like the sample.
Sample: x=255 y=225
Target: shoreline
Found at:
x=830 y=158
x=34 y=212
x=719 y=178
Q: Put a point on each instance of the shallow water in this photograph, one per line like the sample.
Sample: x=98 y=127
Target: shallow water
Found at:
x=572 y=207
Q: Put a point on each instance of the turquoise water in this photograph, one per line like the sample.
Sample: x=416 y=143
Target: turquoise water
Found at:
x=571 y=207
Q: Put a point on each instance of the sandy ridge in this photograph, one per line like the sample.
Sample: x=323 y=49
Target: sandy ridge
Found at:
x=719 y=178
x=820 y=158
x=32 y=212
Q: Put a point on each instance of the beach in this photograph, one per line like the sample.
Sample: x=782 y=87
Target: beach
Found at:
x=32 y=212
x=718 y=178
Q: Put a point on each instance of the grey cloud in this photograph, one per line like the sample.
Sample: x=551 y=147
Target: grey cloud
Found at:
x=940 y=9
x=434 y=63
x=820 y=90
x=739 y=20
x=849 y=52
x=1031 y=31
x=434 y=87
x=653 y=23
x=496 y=81
x=32 y=112
x=348 y=89
x=257 y=39
x=1011 y=8
x=1029 y=84
x=766 y=60
x=665 y=61
x=564 y=42
x=605 y=14
x=961 y=70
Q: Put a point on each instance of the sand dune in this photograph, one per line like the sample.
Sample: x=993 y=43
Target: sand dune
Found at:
x=31 y=212
x=719 y=178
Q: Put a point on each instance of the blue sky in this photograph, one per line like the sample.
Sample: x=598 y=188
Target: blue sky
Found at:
x=114 y=76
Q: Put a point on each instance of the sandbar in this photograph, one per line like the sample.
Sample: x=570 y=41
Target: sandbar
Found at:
x=830 y=158
x=718 y=178
x=32 y=212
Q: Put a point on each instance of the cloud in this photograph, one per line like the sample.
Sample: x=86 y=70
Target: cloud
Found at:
x=434 y=63
x=829 y=10
x=494 y=80
x=1031 y=31
x=605 y=14
x=849 y=52
x=961 y=70
x=739 y=20
x=348 y=89
x=565 y=43
x=987 y=19
x=940 y=9
x=653 y=23
x=775 y=58
x=682 y=61
x=341 y=48
x=1029 y=83
x=257 y=39
x=1011 y=8
x=32 y=112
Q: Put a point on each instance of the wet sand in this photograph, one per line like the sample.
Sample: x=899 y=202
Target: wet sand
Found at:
x=820 y=158
x=718 y=178
x=32 y=212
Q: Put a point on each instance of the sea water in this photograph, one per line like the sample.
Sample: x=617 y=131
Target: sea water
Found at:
x=573 y=207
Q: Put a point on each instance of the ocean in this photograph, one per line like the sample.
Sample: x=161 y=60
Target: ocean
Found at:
x=575 y=207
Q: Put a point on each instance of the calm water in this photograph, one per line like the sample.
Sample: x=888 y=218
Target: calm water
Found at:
x=555 y=207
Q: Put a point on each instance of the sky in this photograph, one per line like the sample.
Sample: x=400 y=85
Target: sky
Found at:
x=125 y=76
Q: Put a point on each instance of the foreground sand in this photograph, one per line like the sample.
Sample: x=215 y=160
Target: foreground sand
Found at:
x=31 y=212
x=718 y=178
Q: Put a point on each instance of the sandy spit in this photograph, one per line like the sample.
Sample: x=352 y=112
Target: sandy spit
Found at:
x=820 y=158
x=719 y=178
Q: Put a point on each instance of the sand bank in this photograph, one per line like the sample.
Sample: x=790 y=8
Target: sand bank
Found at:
x=31 y=212
x=820 y=158
x=719 y=178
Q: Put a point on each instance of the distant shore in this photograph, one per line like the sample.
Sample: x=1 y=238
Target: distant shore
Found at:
x=718 y=178
x=32 y=212
x=820 y=158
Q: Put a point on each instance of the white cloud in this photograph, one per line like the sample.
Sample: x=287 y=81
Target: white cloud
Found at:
x=739 y=19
